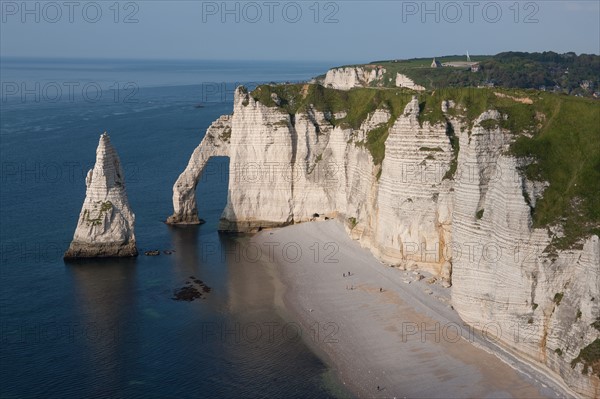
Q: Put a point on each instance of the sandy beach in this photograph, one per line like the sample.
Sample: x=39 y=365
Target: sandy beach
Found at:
x=387 y=332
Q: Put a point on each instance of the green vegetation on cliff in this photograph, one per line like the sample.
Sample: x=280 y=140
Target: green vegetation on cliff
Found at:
x=565 y=151
x=590 y=357
x=557 y=135
x=470 y=103
x=566 y=73
x=356 y=104
x=99 y=208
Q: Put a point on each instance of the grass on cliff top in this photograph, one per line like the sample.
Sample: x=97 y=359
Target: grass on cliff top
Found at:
x=562 y=137
x=419 y=70
x=566 y=153
x=420 y=62
x=562 y=141
x=472 y=102
x=356 y=103
x=557 y=72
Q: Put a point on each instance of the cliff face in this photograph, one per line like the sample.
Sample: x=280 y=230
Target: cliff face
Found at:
x=405 y=81
x=538 y=305
x=283 y=169
x=106 y=224
x=447 y=198
x=349 y=77
x=412 y=222
x=346 y=78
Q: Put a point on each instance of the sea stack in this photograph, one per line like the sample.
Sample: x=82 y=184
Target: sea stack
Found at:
x=106 y=223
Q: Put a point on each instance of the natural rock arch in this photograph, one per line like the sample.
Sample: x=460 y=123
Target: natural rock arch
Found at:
x=215 y=143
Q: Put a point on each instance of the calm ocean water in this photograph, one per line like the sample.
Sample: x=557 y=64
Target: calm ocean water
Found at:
x=110 y=328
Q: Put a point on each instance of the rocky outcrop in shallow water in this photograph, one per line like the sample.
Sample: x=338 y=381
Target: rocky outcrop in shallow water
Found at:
x=193 y=289
x=106 y=223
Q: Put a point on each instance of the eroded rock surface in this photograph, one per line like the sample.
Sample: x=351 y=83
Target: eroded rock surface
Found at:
x=106 y=223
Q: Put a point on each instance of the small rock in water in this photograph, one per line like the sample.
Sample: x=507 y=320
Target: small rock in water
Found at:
x=193 y=289
x=187 y=293
x=155 y=252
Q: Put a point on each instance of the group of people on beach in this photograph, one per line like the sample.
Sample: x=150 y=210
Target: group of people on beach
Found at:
x=352 y=286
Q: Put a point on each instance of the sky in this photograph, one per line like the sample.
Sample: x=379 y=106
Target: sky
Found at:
x=338 y=31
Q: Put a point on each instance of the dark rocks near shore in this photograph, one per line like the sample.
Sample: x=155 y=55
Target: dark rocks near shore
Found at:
x=156 y=252
x=193 y=289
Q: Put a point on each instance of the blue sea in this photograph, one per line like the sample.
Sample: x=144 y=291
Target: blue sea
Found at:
x=110 y=328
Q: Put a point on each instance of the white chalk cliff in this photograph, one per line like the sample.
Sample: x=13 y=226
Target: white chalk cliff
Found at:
x=460 y=214
x=346 y=78
x=405 y=81
x=106 y=223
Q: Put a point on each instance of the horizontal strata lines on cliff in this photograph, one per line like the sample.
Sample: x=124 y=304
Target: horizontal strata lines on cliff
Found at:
x=566 y=153
x=557 y=145
x=558 y=133
x=355 y=105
